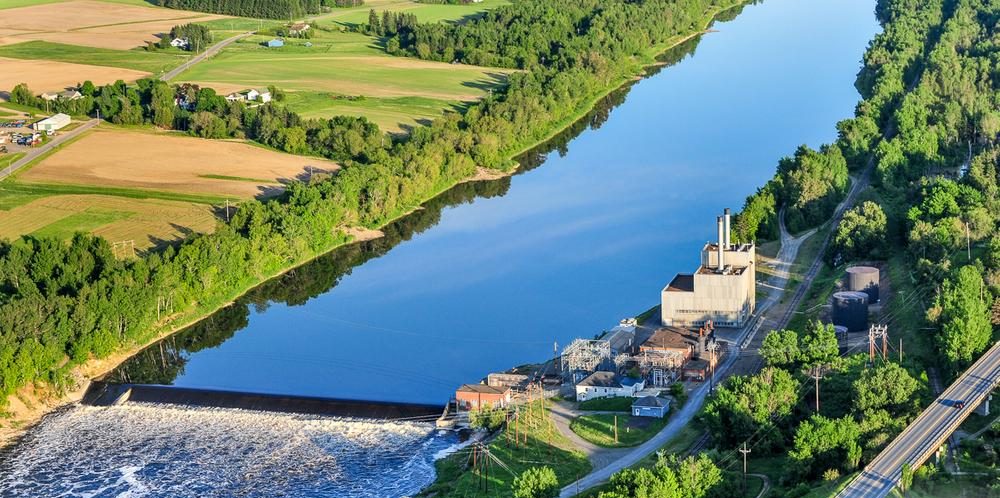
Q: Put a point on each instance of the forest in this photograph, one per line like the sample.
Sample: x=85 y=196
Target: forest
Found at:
x=268 y=9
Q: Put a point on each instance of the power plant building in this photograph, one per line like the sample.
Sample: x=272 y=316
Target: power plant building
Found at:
x=722 y=290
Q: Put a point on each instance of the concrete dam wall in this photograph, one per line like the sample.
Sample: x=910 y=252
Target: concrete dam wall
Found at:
x=108 y=394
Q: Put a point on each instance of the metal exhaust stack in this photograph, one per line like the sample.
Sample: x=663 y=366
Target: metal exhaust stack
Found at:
x=722 y=263
x=726 y=228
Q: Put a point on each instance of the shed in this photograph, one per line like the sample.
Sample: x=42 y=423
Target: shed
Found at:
x=651 y=406
x=277 y=42
x=53 y=123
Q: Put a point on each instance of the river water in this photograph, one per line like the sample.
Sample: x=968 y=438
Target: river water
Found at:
x=489 y=275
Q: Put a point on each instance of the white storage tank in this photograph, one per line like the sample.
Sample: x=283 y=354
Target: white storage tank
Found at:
x=864 y=279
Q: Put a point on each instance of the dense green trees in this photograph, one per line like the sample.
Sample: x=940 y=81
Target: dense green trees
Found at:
x=861 y=233
x=269 y=9
x=536 y=482
x=822 y=444
x=781 y=348
x=810 y=185
x=199 y=37
x=962 y=312
x=744 y=405
x=692 y=477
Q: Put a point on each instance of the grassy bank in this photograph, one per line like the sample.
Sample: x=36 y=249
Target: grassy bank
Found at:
x=541 y=444
x=601 y=429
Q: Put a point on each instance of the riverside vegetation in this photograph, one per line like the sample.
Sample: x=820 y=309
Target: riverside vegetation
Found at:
x=62 y=304
x=928 y=114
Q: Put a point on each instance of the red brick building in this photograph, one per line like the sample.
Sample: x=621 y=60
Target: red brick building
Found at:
x=476 y=396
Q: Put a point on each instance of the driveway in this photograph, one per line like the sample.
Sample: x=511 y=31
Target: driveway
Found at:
x=210 y=51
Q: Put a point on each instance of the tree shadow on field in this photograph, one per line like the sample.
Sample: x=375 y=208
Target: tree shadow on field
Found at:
x=493 y=81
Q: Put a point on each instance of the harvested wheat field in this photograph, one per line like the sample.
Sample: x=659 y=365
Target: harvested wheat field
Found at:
x=92 y=23
x=173 y=163
x=148 y=222
x=47 y=76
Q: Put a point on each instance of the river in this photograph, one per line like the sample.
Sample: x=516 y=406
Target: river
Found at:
x=492 y=274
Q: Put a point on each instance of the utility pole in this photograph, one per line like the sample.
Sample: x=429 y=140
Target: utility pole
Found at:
x=817 y=375
x=227 y=210
x=901 y=350
x=745 y=452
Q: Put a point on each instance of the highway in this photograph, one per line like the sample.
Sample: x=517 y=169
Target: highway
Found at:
x=929 y=430
x=210 y=51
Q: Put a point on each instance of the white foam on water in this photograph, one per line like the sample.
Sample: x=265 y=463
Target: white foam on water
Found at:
x=153 y=451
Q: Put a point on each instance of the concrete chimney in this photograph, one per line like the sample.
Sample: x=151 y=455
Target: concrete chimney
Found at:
x=726 y=228
x=722 y=263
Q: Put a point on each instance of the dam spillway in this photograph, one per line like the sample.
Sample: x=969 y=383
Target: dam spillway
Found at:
x=110 y=394
x=162 y=450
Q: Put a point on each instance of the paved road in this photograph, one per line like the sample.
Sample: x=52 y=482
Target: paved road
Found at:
x=929 y=431
x=214 y=49
x=52 y=144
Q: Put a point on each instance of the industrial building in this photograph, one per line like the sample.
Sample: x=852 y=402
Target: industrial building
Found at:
x=722 y=290
x=52 y=123
x=479 y=396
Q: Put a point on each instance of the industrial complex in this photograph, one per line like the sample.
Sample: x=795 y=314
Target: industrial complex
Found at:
x=722 y=290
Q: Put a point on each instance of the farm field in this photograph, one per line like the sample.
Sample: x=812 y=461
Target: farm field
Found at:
x=148 y=222
x=400 y=91
x=44 y=76
x=344 y=63
x=92 y=23
x=164 y=162
x=393 y=115
x=139 y=60
x=424 y=12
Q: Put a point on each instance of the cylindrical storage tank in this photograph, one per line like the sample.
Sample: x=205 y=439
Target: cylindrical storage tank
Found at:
x=863 y=279
x=841 y=332
x=850 y=310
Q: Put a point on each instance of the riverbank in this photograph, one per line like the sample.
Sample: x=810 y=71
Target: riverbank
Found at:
x=42 y=400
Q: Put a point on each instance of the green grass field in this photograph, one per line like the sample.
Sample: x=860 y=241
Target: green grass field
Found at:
x=11 y=4
x=607 y=404
x=398 y=92
x=632 y=431
x=424 y=12
x=140 y=60
x=390 y=114
x=85 y=221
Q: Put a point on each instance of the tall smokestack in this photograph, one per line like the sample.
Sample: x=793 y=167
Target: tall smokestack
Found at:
x=728 y=242
x=719 y=222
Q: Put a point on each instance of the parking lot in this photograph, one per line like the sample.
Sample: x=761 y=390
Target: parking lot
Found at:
x=16 y=135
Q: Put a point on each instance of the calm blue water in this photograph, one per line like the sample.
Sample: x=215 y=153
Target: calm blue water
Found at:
x=574 y=245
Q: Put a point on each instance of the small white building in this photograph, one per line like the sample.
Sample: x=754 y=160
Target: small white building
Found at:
x=236 y=97
x=607 y=385
x=263 y=95
x=52 y=123
x=180 y=43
